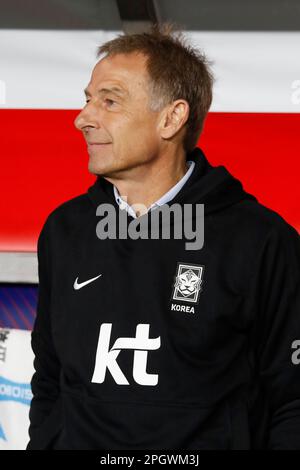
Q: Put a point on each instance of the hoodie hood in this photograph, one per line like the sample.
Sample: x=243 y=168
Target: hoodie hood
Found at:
x=213 y=186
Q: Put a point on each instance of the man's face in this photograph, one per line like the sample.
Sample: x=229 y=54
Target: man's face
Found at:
x=119 y=120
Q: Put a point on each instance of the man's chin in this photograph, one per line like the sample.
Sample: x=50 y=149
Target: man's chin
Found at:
x=97 y=171
x=108 y=169
x=100 y=169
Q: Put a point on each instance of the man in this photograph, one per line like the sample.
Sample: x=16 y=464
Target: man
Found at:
x=142 y=343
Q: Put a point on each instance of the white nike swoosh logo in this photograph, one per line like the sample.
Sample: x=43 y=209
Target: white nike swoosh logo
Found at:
x=79 y=285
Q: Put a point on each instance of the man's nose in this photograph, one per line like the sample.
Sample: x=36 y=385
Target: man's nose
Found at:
x=86 y=117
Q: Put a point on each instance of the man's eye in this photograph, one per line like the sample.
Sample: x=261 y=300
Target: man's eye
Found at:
x=109 y=101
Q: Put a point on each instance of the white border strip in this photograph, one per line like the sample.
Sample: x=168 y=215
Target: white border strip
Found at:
x=255 y=71
x=19 y=267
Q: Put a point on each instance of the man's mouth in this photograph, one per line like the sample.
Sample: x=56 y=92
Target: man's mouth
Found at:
x=94 y=146
x=98 y=143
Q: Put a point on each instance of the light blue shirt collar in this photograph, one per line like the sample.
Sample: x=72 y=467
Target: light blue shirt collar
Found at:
x=168 y=196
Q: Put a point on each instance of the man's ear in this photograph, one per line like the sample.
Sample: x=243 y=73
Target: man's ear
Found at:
x=173 y=118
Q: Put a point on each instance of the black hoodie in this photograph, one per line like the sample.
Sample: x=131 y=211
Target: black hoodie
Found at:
x=158 y=347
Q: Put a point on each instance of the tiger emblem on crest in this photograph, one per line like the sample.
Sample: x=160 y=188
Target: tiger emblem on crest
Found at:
x=188 y=283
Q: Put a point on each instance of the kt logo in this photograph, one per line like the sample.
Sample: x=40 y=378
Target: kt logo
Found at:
x=141 y=344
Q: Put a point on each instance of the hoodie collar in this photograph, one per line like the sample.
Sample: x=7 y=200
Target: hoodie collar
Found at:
x=168 y=196
x=213 y=186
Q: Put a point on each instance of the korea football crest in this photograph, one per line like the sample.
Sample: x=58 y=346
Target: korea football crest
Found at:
x=188 y=282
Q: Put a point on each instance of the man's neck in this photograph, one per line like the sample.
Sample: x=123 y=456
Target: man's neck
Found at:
x=148 y=183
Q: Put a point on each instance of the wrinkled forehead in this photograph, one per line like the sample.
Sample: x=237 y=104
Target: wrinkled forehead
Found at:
x=128 y=71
